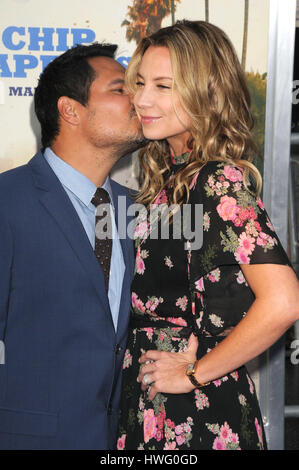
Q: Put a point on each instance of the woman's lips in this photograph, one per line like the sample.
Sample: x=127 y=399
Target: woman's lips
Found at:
x=148 y=119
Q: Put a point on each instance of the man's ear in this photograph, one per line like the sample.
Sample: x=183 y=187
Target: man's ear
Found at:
x=68 y=110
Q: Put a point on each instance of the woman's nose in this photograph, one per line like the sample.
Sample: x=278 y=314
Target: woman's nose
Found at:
x=143 y=98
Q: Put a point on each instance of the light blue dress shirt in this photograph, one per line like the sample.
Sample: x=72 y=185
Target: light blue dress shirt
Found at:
x=81 y=191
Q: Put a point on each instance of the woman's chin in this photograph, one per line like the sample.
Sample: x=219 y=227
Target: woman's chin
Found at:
x=151 y=135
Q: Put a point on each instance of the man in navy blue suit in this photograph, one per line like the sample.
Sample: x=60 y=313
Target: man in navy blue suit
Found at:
x=64 y=331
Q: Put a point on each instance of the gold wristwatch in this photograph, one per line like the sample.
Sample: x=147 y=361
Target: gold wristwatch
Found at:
x=190 y=374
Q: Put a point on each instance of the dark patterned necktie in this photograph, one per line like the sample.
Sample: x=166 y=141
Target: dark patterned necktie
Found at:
x=103 y=233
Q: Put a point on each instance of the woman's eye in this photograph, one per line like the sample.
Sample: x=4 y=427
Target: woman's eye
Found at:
x=139 y=83
x=165 y=87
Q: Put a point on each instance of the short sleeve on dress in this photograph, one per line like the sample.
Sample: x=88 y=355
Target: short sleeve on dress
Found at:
x=236 y=226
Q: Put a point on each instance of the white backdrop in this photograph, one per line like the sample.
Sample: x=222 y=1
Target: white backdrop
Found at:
x=32 y=31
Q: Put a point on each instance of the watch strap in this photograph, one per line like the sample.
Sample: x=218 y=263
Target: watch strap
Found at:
x=190 y=374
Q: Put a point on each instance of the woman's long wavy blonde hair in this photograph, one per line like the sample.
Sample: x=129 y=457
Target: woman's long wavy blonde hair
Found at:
x=212 y=88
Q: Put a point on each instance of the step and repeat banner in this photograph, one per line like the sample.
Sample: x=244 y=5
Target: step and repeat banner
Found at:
x=33 y=32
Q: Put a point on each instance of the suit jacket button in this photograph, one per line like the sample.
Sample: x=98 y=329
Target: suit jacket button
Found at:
x=110 y=409
x=118 y=349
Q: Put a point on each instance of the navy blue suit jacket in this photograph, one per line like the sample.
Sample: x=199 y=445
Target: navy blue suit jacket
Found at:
x=60 y=384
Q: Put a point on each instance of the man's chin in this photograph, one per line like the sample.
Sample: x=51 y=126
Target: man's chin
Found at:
x=137 y=143
x=132 y=145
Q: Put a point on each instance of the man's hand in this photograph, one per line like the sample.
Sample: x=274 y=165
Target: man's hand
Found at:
x=166 y=372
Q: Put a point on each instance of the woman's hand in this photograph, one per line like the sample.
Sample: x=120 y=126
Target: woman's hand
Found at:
x=166 y=372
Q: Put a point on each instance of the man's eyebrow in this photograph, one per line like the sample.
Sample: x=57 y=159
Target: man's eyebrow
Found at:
x=117 y=81
x=156 y=78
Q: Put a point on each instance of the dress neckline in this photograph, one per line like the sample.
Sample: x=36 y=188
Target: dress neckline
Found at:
x=179 y=159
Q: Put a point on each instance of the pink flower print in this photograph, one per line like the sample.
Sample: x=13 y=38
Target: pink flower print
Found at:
x=269 y=224
x=260 y=203
x=193 y=182
x=161 y=198
x=149 y=332
x=232 y=174
x=237 y=187
x=149 y=424
x=235 y=438
x=168 y=262
x=235 y=375
x=170 y=423
x=180 y=439
x=246 y=242
x=241 y=256
x=179 y=429
x=226 y=439
x=219 y=444
x=141 y=229
x=127 y=359
x=170 y=446
x=251 y=386
x=177 y=321
x=121 y=442
x=137 y=303
x=228 y=209
x=134 y=297
x=243 y=214
x=252 y=214
x=159 y=435
x=259 y=432
x=139 y=264
x=240 y=278
x=182 y=303
x=225 y=432
x=152 y=304
x=238 y=222
x=198 y=320
x=257 y=226
x=211 y=181
x=199 y=285
x=162 y=336
x=214 y=276
x=266 y=241
x=187 y=427
x=201 y=400
x=217 y=382
x=206 y=221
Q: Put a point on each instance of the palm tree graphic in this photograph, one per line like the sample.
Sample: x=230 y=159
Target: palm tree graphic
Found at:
x=145 y=17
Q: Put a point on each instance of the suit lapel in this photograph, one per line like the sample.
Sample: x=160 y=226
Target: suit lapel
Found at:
x=55 y=200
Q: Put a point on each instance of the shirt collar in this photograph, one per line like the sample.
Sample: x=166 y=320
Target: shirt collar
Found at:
x=73 y=180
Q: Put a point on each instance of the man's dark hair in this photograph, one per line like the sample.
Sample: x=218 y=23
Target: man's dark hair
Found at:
x=70 y=75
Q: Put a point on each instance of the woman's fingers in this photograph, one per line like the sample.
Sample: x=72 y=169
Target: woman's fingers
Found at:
x=151 y=355
x=146 y=369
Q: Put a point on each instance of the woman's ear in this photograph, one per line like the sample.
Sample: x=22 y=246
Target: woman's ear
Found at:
x=67 y=108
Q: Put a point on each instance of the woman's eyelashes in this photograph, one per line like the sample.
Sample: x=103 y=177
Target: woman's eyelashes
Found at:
x=160 y=86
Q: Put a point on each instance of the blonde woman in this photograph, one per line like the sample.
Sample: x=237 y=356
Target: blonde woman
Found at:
x=199 y=313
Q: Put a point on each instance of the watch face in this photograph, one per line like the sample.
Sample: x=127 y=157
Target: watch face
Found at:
x=190 y=369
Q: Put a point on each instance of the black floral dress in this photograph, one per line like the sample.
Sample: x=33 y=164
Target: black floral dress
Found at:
x=177 y=291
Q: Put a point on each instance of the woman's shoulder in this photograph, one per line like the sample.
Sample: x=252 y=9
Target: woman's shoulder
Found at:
x=217 y=175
